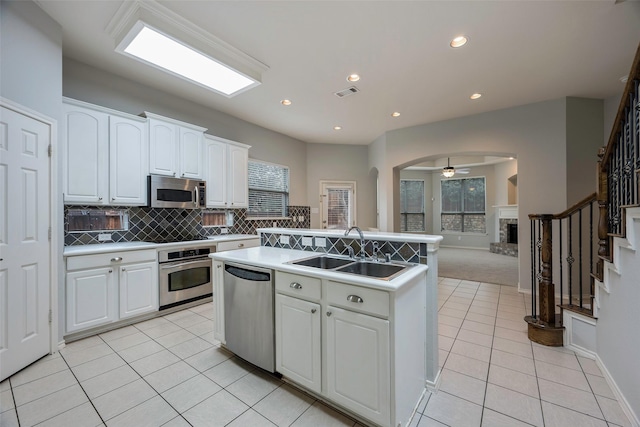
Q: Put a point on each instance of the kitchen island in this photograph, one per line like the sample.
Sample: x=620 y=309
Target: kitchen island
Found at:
x=363 y=344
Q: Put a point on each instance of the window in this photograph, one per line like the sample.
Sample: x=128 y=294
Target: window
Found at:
x=412 y=217
x=85 y=220
x=463 y=205
x=268 y=190
x=338 y=204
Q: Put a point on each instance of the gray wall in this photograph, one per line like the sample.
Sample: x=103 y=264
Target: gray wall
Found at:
x=584 y=127
x=31 y=75
x=333 y=162
x=99 y=87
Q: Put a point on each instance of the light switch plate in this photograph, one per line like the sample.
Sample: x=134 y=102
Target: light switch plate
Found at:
x=104 y=237
x=307 y=241
x=321 y=242
x=284 y=240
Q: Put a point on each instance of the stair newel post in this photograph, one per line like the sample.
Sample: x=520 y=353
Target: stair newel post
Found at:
x=603 y=227
x=546 y=287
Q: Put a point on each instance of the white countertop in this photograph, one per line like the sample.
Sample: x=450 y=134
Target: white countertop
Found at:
x=277 y=258
x=132 y=246
x=377 y=235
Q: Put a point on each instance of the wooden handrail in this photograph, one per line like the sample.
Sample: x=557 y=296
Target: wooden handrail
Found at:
x=568 y=212
x=634 y=74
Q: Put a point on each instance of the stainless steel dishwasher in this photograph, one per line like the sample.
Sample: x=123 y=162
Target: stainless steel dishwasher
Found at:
x=248 y=314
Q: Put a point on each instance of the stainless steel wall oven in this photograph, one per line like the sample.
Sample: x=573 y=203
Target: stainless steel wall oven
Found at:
x=185 y=275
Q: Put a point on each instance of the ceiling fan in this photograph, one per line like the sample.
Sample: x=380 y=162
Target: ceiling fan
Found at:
x=449 y=170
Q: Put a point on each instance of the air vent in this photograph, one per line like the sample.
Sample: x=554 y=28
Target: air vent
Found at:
x=347 y=92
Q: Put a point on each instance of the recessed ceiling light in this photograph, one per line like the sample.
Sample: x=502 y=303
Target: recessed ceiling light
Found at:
x=511 y=158
x=395 y=114
x=475 y=95
x=624 y=79
x=286 y=102
x=337 y=127
x=161 y=51
x=353 y=77
x=459 y=41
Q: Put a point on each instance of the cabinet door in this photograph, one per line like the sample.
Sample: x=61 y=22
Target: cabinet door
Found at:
x=138 y=289
x=163 y=148
x=358 y=364
x=190 y=153
x=238 y=192
x=298 y=341
x=128 y=167
x=216 y=173
x=91 y=298
x=85 y=135
x=218 y=301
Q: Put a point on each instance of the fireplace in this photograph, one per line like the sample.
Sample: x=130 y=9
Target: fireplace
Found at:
x=508 y=228
x=512 y=233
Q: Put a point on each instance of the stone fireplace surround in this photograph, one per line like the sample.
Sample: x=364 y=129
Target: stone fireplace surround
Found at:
x=508 y=217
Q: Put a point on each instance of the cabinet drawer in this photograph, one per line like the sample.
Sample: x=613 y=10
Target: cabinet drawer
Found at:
x=110 y=259
x=299 y=286
x=373 y=301
x=237 y=244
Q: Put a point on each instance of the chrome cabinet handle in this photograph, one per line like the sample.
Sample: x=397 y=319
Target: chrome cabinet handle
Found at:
x=100 y=198
x=219 y=266
x=124 y=269
x=116 y=259
x=313 y=310
x=295 y=285
x=241 y=245
x=328 y=314
x=110 y=271
x=355 y=298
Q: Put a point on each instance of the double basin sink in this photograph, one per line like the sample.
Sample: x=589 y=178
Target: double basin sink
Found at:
x=383 y=271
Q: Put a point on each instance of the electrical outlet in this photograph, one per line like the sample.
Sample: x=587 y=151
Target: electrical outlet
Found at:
x=284 y=240
x=301 y=218
x=307 y=241
x=224 y=230
x=104 y=237
x=275 y=224
x=321 y=242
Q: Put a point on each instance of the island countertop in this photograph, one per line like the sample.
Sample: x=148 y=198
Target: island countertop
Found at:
x=278 y=259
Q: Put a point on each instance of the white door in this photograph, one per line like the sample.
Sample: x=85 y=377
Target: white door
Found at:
x=215 y=159
x=128 y=166
x=298 y=341
x=24 y=244
x=238 y=192
x=163 y=148
x=138 y=289
x=358 y=365
x=338 y=200
x=190 y=153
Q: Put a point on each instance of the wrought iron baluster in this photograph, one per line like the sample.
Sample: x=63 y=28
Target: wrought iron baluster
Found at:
x=580 y=252
x=560 y=257
x=570 y=259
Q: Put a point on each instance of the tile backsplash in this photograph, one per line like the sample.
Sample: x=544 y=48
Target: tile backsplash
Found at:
x=174 y=225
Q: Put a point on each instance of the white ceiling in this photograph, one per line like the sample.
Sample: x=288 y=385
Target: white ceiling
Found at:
x=519 y=52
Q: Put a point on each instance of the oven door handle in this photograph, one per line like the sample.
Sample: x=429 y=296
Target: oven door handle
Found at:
x=168 y=267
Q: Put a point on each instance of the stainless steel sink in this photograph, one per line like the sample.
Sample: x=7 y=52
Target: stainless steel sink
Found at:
x=323 y=261
x=372 y=269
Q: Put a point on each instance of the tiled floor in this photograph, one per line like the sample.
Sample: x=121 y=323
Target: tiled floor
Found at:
x=170 y=371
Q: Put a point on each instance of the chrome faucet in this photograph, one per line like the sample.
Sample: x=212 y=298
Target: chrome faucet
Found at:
x=363 y=254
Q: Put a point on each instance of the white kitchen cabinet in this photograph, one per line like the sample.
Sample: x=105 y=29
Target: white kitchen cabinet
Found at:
x=138 y=289
x=91 y=298
x=103 y=288
x=175 y=147
x=358 y=371
x=298 y=341
x=218 y=301
x=105 y=156
x=226 y=169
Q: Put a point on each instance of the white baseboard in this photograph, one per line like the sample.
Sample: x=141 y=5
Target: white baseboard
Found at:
x=588 y=326
x=434 y=385
x=626 y=408
x=62 y=344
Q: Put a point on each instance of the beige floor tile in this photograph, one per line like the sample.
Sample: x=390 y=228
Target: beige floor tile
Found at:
x=557 y=416
x=463 y=386
x=9 y=418
x=251 y=418
x=509 y=334
x=109 y=381
x=513 y=347
x=429 y=422
x=599 y=386
x=174 y=338
x=562 y=375
x=82 y=344
x=201 y=328
x=6 y=400
x=152 y=363
x=492 y=418
x=482 y=310
x=569 y=397
x=515 y=317
x=37 y=370
x=613 y=411
x=481 y=318
x=448 y=331
x=445 y=343
x=188 y=394
x=98 y=366
x=178 y=421
x=453 y=411
x=452 y=312
x=51 y=405
x=481 y=328
x=320 y=414
x=484 y=304
x=153 y=412
x=170 y=376
x=456 y=322
x=189 y=348
x=177 y=315
x=472 y=350
x=520 y=325
x=589 y=366
x=162 y=330
x=254 y=386
x=127 y=341
x=84 y=415
x=209 y=358
x=187 y=321
x=217 y=410
x=118 y=333
x=139 y=351
x=152 y=323
x=514 y=380
x=229 y=371
x=456 y=306
x=78 y=355
x=122 y=399
x=284 y=405
x=43 y=386
x=464 y=299
x=513 y=362
x=468 y=366
x=567 y=360
x=517 y=405
x=475 y=338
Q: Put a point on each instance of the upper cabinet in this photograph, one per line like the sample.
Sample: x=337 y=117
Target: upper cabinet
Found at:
x=105 y=156
x=175 y=148
x=226 y=168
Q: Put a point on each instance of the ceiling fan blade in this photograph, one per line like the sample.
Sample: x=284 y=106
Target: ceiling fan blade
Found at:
x=463 y=171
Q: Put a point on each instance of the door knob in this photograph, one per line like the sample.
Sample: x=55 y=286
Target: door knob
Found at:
x=328 y=314
x=313 y=310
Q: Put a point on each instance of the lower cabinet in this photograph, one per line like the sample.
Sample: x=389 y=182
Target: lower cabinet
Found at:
x=107 y=287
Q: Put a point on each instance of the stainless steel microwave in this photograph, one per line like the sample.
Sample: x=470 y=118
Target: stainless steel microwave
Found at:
x=167 y=192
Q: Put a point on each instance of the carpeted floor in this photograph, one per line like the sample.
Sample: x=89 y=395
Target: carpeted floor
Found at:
x=477 y=265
